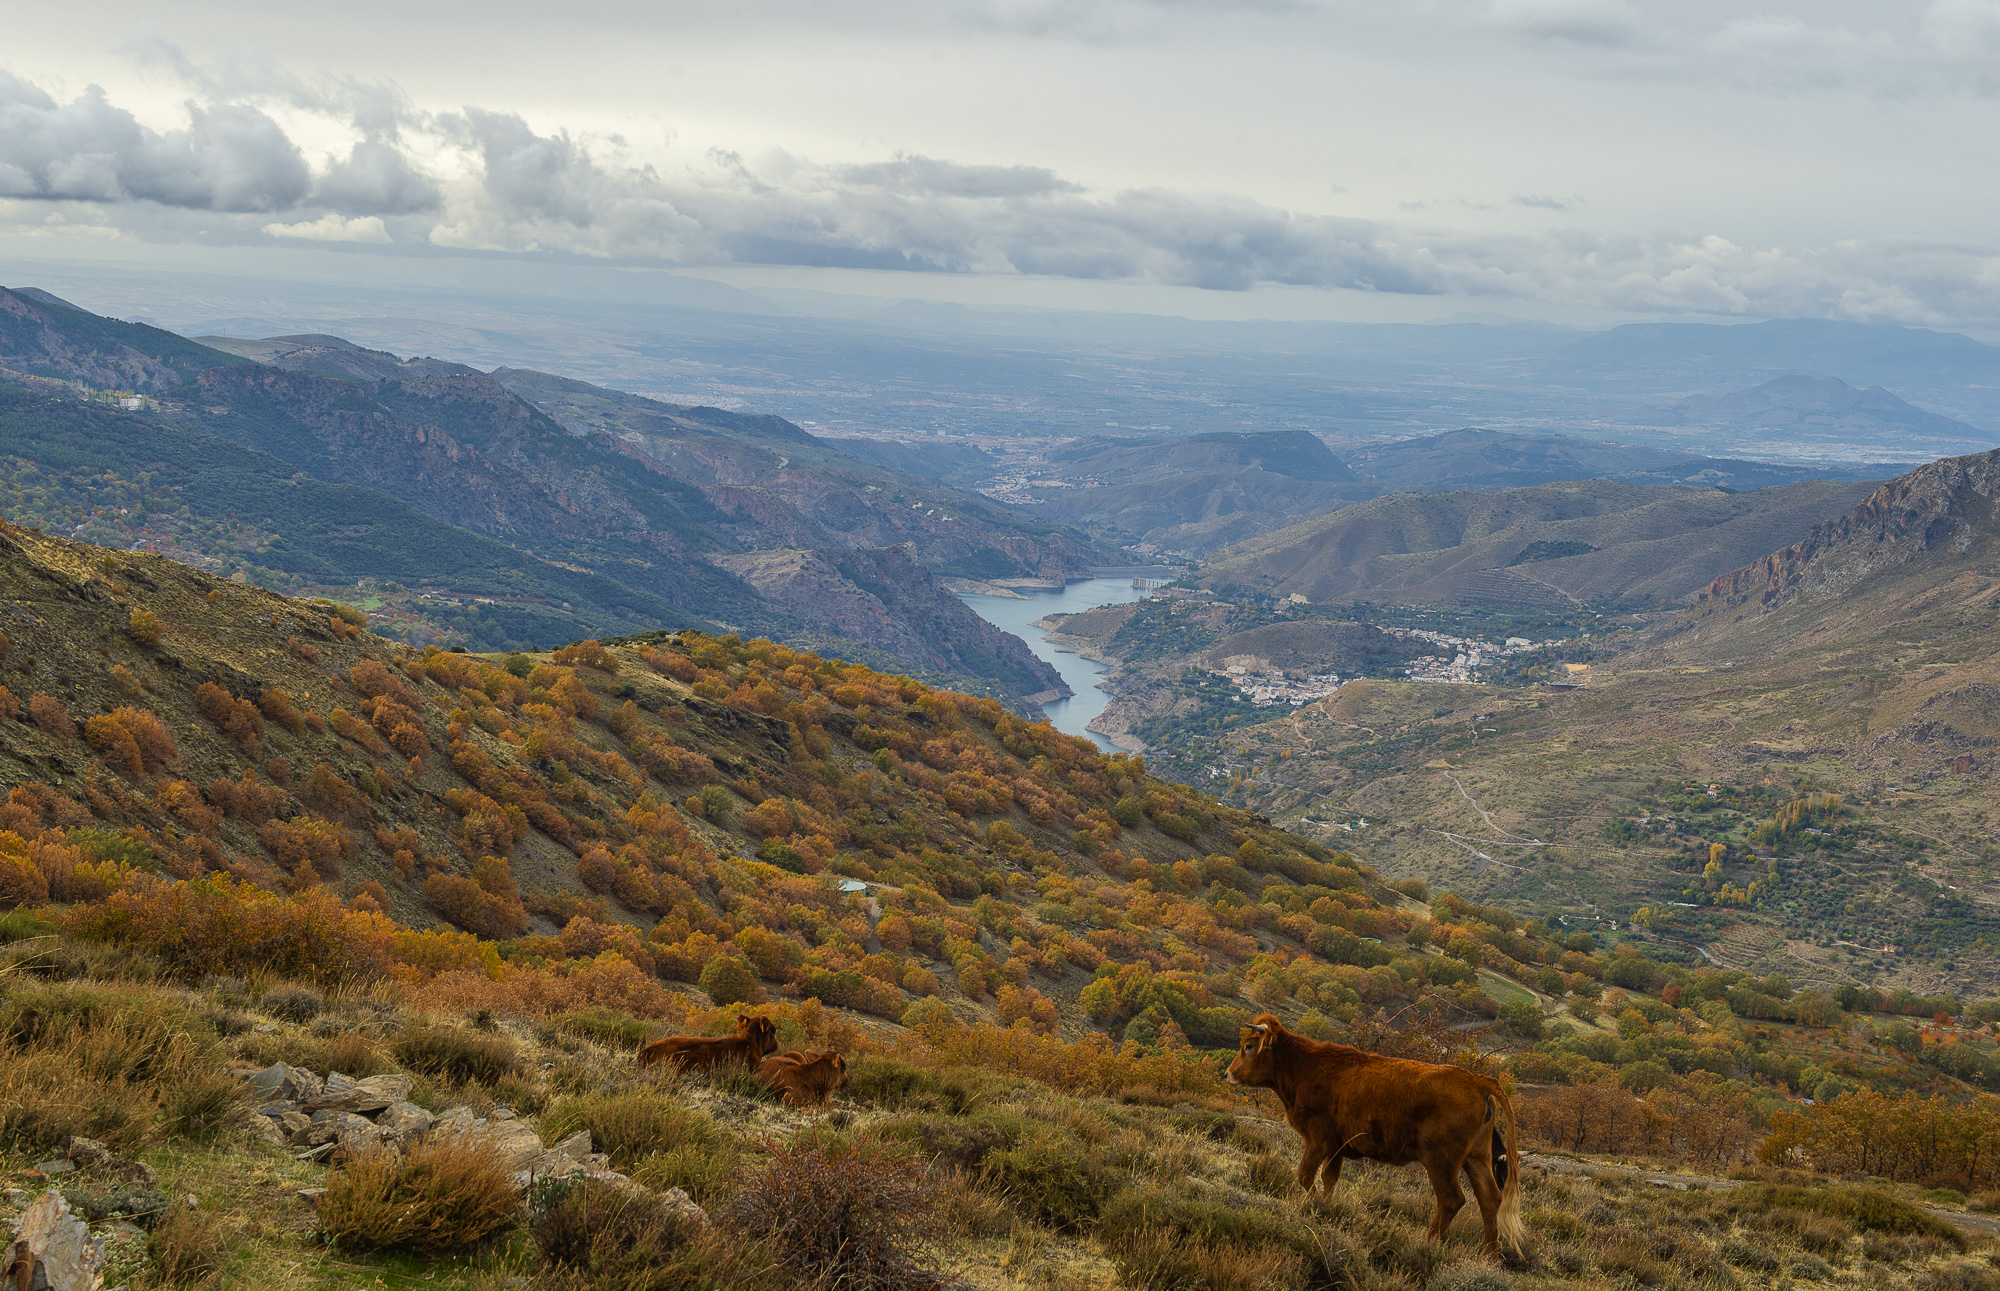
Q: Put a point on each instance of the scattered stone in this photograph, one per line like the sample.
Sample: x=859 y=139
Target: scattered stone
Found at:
x=265 y=1128
x=125 y=1249
x=56 y=1168
x=503 y=1113
x=17 y=1197
x=342 y=1127
x=345 y=1094
x=677 y=1202
x=266 y=1028
x=53 y=1249
x=311 y=1196
x=87 y=1152
x=320 y=1153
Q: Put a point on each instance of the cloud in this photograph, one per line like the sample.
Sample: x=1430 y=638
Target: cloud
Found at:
x=488 y=180
x=230 y=158
x=334 y=228
x=1599 y=23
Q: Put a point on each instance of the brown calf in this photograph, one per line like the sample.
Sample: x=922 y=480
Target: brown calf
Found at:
x=1351 y=1103
x=805 y=1080
x=754 y=1038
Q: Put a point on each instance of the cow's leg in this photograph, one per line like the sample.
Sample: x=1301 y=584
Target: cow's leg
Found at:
x=1312 y=1157
x=1486 y=1191
x=1329 y=1174
x=1450 y=1197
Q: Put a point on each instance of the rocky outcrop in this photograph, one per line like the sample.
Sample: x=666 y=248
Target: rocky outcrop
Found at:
x=1947 y=505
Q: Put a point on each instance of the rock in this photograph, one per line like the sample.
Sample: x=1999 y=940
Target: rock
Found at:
x=266 y=1028
x=403 y=1123
x=263 y=1127
x=281 y=1082
x=137 y=1173
x=503 y=1113
x=677 y=1202
x=53 y=1249
x=294 y=1124
x=311 y=1196
x=514 y=1143
x=87 y=1152
x=344 y=1094
x=56 y=1168
x=576 y=1146
x=17 y=1197
x=125 y=1249
x=342 y=1127
x=320 y=1153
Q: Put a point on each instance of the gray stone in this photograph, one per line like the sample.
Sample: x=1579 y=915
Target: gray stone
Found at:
x=404 y=1123
x=513 y=1142
x=576 y=1146
x=282 y=1083
x=342 y=1127
x=131 y=1201
x=679 y=1203
x=294 y=1124
x=59 y=1250
x=344 y=1094
x=503 y=1113
x=311 y=1196
x=56 y=1168
x=263 y=1127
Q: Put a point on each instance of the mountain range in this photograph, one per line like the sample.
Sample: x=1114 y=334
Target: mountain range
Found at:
x=561 y=509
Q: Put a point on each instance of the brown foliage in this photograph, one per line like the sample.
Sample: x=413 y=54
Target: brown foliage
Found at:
x=47 y=713
x=305 y=650
x=10 y=707
x=842 y=1217
x=247 y=798
x=131 y=739
x=668 y=664
x=487 y=905
x=587 y=653
x=277 y=705
x=376 y=681
x=236 y=718
x=1906 y=1137
x=349 y=727
x=309 y=848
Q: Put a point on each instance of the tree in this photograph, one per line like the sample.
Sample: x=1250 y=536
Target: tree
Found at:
x=730 y=980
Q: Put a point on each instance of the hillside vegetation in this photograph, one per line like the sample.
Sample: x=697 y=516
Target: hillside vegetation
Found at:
x=239 y=831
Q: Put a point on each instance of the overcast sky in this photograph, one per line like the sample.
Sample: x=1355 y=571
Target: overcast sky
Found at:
x=1564 y=158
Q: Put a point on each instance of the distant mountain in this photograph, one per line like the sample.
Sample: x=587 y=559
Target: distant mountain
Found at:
x=1484 y=460
x=1823 y=410
x=1635 y=544
x=1196 y=493
x=951 y=460
x=1927 y=525
x=555 y=529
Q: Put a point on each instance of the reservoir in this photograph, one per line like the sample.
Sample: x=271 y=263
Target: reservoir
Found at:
x=1071 y=715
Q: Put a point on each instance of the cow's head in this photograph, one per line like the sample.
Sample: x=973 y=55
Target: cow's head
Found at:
x=762 y=1031
x=837 y=1066
x=1256 y=1060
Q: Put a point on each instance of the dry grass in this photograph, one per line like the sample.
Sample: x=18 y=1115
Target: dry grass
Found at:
x=443 y=1195
x=842 y=1218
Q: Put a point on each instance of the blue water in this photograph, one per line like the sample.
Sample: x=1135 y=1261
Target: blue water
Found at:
x=1070 y=716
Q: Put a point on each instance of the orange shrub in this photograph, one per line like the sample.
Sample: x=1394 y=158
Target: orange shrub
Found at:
x=236 y=718
x=307 y=846
x=246 y=798
x=589 y=654
x=144 y=627
x=221 y=925
x=277 y=705
x=47 y=713
x=10 y=707
x=349 y=727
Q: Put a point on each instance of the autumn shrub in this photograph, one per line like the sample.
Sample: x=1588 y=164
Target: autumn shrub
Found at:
x=307 y=846
x=843 y=1217
x=631 y=1125
x=444 y=1194
x=468 y=905
x=188 y=1246
x=219 y=925
x=595 y=1227
x=349 y=727
x=277 y=705
x=589 y=654
x=53 y=720
x=456 y=1053
x=236 y=718
x=144 y=627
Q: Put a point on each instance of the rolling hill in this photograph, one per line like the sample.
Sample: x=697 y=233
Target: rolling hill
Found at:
x=1632 y=544
x=1828 y=413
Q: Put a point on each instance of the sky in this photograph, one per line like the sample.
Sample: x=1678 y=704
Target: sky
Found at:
x=1583 y=160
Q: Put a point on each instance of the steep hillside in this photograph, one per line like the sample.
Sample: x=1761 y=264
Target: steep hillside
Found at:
x=440 y=444
x=1551 y=545
x=1195 y=493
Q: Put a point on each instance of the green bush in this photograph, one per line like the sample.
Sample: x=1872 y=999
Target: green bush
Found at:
x=729 y=979
x=961 y=1141
x=1052 y=1176
x=1866 y=1208
x=897 y=1086
x=612 y=1030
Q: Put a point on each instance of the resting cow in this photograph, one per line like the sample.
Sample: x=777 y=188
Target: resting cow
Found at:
x=754 y=1038
x=1348 y=1102
x=805 y=1080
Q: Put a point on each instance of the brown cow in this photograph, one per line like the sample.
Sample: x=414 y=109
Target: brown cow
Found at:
x=754 y=1038
x=805 y=1080
x=1348 y=1102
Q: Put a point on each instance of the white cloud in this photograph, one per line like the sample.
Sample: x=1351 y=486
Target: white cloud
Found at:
x=333 y=227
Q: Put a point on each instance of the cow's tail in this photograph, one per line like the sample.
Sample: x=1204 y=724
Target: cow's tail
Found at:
x=1506 y=1172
